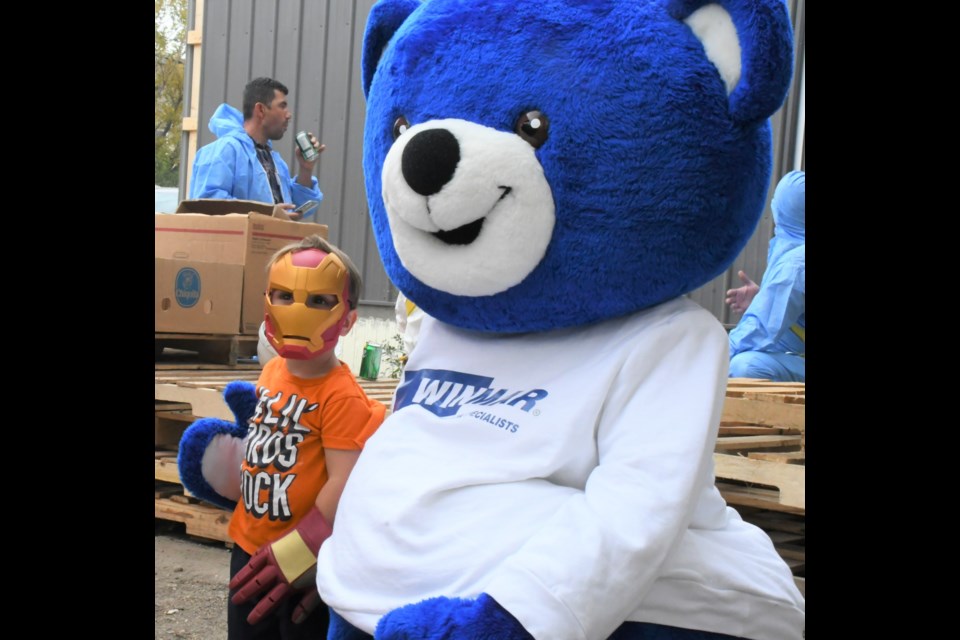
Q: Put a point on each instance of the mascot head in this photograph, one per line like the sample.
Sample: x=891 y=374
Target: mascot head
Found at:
x=532 y=168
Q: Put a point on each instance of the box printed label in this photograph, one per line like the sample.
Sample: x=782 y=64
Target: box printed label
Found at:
x=187 y=287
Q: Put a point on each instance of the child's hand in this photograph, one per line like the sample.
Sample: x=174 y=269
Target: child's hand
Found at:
x=281 y=568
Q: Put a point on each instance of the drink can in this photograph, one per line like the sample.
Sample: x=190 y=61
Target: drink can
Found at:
x=370 y=363
x=306 y=147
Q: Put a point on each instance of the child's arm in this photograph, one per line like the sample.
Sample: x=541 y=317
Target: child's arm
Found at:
x=290 y=563
x=340 y=463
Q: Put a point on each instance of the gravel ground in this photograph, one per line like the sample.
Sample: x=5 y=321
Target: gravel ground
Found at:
x=190 y=580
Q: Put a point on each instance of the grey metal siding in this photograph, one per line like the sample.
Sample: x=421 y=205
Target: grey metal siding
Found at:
x=788 y=140
x=313 y=46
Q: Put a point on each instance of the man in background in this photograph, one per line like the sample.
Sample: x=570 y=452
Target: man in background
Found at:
x=241 y=162
x=769 y=341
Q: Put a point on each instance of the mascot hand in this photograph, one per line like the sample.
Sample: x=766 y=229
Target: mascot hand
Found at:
x=283 y=567
x=211 y=449
x=436 y=618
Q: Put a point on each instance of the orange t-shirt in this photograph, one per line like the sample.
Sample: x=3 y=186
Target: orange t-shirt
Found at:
x=284 y=466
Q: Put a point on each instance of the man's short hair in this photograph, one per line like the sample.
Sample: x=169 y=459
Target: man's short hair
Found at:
x=260 y=90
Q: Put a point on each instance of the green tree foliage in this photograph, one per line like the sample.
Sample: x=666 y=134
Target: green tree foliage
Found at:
x=170 y=46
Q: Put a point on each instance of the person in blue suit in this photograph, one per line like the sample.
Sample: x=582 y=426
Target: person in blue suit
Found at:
x=768 y=342
x=241 y=162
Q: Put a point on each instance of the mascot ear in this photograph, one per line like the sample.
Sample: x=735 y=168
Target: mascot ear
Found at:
x=385 y=18
x=751 y=44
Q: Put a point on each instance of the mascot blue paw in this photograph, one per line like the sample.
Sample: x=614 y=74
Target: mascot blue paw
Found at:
x=211 y=449
x=436 y=618
x=241 y=397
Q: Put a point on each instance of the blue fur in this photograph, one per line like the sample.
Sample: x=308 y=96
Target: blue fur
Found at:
x=658 y=177
x=440 y=618
x=241 y=397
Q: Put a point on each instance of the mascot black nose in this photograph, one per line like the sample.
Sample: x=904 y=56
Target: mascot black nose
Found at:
x=430 y=160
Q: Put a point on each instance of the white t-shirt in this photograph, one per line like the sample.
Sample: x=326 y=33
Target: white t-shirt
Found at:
x=569 y=475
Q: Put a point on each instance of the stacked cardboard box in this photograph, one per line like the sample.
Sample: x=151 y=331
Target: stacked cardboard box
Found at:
x=210 y=263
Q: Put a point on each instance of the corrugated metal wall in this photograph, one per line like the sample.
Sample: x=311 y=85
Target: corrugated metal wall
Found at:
x=313 y=47
x=788 y=154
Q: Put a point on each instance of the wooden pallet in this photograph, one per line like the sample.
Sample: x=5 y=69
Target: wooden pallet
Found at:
x=181 y=397
x=201 y=519
x=209 y=348
x=788 y=534
x=759 y=456
x=202 y=390
x=760 y=452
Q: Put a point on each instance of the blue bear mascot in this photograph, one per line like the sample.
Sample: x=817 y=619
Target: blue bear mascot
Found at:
x=546 y=181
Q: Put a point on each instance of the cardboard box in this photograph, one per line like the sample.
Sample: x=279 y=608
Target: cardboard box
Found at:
x=210 y=263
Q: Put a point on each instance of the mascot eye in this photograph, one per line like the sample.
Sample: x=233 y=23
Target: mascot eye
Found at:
x=532 y=126
x=400 y=127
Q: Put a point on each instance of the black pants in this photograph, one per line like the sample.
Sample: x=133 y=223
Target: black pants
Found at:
x=278 y=625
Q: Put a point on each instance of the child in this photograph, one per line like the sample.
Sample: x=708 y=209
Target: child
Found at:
x=310 y=423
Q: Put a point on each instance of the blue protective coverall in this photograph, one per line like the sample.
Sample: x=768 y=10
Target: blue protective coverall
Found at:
x=768 y=342
x=228 y=167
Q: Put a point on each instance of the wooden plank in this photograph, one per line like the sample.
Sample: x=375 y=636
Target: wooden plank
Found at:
x=165 y=469
x=771 y=521
x=748 y=430
x=801 y=584
x=195 y=69
x=204 y=402
x=790 y=416
x=167 y=431
x=200 y=368
x=180 y=415
x=788 y=478
x=779 y=392
x=738 y=495
x=166 y=489
x=796 y=566
x=202 y=381
x=200 y=519
x=162 y=405
x=205 y=337
x=782 y=537
x=756 y=442
x=739 y=383
x=792 y=551
x=787 y=457
x=782 y=396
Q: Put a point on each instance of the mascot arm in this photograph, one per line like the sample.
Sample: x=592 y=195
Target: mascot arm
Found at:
x=211 y=450
x=655 y=443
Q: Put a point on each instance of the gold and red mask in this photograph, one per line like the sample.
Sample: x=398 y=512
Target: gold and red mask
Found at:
x=296 y=330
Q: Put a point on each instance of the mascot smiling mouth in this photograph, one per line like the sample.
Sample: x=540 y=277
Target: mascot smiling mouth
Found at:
x=445 y=187
x=461 y=235
x=467 y=233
